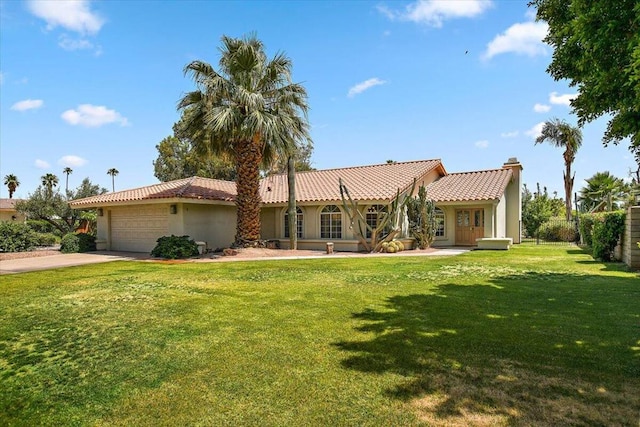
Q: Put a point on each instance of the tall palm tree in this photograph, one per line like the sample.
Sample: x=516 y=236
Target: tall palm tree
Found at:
x=11 y=181
x=603 y=192
x=113 y=172
x=249 y=110
x=49 y=181
x=561 y=134
x=67 y=171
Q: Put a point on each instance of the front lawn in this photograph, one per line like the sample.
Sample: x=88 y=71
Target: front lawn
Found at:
x=531 y=336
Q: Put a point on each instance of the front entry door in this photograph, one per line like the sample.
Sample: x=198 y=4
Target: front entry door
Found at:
x=469 y=226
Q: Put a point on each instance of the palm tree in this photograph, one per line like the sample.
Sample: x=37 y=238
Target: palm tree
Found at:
x=67 y=171
x=49 y=181
x=249 y=110
x=561 y=134
x=603 y=192
x=11 y=181
x=113 y=172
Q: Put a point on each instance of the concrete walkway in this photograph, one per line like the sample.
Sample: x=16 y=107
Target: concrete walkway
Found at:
x=24 y=265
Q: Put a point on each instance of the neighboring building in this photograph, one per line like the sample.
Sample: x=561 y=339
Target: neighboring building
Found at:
x=8 y=210
x=471 y=205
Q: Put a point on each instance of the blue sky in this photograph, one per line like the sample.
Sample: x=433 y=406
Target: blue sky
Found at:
x=94 y=85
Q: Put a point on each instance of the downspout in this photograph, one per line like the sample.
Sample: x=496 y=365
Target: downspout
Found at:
x=494 y=231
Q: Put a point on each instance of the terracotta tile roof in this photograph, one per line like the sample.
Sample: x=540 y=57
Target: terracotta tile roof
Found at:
x=470 y=186
x=373 y=182
x=187 y=188
x=9 y=204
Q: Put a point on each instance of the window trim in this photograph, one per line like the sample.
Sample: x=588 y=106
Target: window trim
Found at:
x=300 y=223
x=443 y=215
x=322 y=212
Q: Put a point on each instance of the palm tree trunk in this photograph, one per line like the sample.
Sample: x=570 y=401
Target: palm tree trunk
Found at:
x=248 y=158
x=568 y=188
x=293 y=215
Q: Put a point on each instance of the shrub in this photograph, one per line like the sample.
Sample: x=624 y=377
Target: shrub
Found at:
x=42 y=226
x=17 y=237
x=86 y=242
x=47 y=239
x=557 y=231
x=607 y=230
x=586 y=228
x=174 y=247
x=70 y=244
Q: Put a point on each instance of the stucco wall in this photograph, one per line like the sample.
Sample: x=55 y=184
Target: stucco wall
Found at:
x=214 y=224
x=630 y=250
x=7 y=216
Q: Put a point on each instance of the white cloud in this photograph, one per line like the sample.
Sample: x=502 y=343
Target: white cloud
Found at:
x=435 y=12
x=535 y=131
x=41 y=164
x=74 y=15
x=510 y=134
x=557 y=99
x=71 y=160
x=93 y=116
x=522 y=38
x=27 y=104
x=541 y=108
x=361 y=87
x=482 y=144
x=68 y=43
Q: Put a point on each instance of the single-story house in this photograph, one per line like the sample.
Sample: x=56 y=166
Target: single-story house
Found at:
x=8 y=210
x=470 y=205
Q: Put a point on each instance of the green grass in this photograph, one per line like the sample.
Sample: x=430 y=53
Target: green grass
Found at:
x=532 y=336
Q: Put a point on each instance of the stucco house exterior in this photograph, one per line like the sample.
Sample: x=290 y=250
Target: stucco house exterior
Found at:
x=471 y=205
x=8 y=210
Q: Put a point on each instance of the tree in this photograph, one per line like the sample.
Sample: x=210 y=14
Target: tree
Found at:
x=249 y=110
x=178 y=159
x=537 y=208
x=54 y=209
x=49 y=181
x=67 y=171
x=113 y=172
x=11 y=181
x=561 y=134
x=597 y=48
x=603 y=192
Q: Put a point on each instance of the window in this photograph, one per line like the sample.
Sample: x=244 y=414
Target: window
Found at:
x=439 y=217
x=331 y=223
x=299 y=226
x=371 y=217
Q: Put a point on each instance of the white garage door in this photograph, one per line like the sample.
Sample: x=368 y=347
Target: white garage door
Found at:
x=136 y=229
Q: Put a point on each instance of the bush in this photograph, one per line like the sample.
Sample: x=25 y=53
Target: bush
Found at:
x=70 y=244
x=607 y=231
x=86 y=242
x=586 y=228
x=17 y=237
x=174 y=247
x=47 y=239
x=558 y=231
x=81 y=242
x=42 y=226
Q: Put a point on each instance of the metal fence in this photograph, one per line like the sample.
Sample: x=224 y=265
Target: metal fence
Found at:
x=553 y=232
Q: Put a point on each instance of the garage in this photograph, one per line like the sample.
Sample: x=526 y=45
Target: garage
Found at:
x=136 y=228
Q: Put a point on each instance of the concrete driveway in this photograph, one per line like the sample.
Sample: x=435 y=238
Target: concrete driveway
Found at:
x=23 y=265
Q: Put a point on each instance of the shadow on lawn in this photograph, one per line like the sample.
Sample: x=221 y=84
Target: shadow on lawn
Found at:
x=542 y=349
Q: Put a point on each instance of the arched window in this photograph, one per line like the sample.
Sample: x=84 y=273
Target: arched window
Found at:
x=299 y=224
x=440 y=222
x=331 y=222
x=371 y=217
